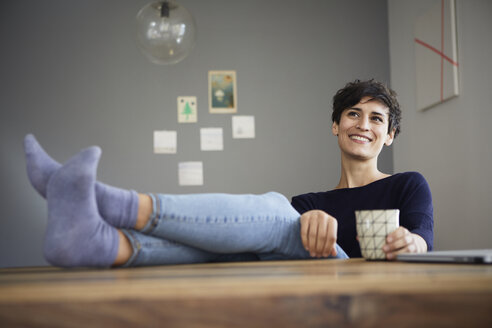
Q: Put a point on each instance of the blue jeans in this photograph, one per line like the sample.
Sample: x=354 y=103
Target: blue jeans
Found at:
x=199 y=228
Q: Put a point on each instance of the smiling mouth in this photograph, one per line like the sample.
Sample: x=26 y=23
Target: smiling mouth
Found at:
x=360 y=138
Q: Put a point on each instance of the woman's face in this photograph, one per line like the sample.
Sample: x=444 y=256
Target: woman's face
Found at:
x=363 y=129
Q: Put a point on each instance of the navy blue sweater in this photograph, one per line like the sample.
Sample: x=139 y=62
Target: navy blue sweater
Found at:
x=408 y=192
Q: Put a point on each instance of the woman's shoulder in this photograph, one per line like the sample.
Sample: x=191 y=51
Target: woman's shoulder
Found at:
x=408 y=177
x=409 y=183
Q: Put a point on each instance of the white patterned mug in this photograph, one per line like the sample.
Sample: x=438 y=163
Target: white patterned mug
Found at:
x=372 y=228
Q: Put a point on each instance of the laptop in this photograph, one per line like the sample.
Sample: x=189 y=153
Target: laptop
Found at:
x=458 y=256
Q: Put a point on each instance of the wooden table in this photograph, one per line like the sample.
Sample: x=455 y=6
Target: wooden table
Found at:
x=314 y=293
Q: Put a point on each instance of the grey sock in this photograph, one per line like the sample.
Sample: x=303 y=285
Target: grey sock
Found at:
x=76 y=234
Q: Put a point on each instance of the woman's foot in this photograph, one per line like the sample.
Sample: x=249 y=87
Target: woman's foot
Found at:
x=76 y=234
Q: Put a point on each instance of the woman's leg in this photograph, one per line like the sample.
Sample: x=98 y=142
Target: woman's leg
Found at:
x=76 y=234
x=145 y=250
x=266 y=224
x=138 y=249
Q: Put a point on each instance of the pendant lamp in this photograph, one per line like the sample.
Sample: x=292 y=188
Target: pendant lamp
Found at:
x=166 y=32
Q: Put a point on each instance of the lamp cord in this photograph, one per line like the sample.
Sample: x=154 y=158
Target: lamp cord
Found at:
x=165 y=9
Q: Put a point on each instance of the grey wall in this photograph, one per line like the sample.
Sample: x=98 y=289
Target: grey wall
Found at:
x=70 y=73
x=449 y=143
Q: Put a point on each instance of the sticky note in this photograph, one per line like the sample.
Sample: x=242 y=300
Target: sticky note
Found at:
x=211 y=139
x=243 y=127
x=190 y=173
x=165 y=142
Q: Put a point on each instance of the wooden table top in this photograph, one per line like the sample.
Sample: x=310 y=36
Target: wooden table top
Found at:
x=345 y=292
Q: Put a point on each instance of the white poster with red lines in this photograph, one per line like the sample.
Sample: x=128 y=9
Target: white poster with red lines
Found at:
x=436 y=54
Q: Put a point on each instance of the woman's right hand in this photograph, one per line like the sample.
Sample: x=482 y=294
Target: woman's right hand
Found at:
x=319 y=233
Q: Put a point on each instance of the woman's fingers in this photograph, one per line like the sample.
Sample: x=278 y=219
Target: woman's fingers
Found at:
x=399 y=241
x=312 y=235
x=321 y=236
x=331 y=238
x=318 y=233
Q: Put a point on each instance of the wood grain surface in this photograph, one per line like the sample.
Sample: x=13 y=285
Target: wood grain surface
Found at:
x=313 y=293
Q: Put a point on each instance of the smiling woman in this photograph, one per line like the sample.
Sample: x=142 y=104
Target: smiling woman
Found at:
x=366 y=117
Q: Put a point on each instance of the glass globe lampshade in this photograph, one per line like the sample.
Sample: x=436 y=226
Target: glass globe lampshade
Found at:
x=165 y=32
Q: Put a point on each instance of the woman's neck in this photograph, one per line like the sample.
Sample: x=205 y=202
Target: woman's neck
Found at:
x=359 y=173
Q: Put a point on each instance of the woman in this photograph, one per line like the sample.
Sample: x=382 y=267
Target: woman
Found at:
x=93 y=224
x=366 y=117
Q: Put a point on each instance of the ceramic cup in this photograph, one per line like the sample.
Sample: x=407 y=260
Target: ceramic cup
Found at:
x=372 y=228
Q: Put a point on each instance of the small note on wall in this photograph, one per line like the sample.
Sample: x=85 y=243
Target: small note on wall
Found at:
x=243 y=127
x=165 y=142
x=211 y=139
x=191 y=173
x=187 y=110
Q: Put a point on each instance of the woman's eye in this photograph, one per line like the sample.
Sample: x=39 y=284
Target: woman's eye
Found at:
x=354 y=114
x=377 y=119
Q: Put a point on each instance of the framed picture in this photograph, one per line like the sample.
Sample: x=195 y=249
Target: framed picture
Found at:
x=436 y=54
x=222 y=92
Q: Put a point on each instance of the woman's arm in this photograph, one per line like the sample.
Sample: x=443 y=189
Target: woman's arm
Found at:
x=415 y=235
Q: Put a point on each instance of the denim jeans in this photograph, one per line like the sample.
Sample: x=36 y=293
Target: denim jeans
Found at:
x=198 y=228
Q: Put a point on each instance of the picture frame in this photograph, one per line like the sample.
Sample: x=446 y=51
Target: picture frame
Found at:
x=436 y=54
x=222 y=92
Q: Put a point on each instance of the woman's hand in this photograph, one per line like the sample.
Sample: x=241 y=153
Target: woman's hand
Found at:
x=403 y=241
x=319 y=233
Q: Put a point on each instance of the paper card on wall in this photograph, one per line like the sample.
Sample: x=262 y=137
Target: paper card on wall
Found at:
x=243 y=127
x=165 y=142
x=187 y=110
x=211 y=139
x=190 y=173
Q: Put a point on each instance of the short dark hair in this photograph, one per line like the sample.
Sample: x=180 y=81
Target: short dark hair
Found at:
x=353 y=92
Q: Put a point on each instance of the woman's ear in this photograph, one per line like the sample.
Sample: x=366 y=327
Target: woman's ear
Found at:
x=334 y=129
x=390 y=138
